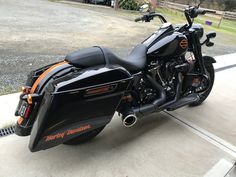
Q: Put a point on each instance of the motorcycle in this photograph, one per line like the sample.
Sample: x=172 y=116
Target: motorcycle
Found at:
x=73 y=100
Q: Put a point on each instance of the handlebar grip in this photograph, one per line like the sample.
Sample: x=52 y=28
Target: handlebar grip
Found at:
x=138 y=19
x=200 y=11
x=210 y=11
x=203 y=12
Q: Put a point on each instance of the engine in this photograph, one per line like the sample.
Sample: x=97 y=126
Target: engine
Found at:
x=165 y=73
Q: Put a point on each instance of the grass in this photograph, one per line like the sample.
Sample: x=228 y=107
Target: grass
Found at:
x=173 y=16
x=7 y=90
x=227 y=26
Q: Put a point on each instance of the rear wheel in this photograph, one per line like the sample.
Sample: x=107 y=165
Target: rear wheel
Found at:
x=84 y=137
x=204 y=95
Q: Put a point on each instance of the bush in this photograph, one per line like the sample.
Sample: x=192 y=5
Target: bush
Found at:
x=230 y=5
x=129 y=4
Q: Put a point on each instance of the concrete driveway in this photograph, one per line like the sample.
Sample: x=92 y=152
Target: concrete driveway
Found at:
x=156 y=147
x=37 y=32
x=189 y=142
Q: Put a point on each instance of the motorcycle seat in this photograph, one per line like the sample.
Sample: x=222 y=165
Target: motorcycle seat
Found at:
x=94 y=56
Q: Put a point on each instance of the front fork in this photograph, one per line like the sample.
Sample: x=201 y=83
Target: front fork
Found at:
x=197 y=50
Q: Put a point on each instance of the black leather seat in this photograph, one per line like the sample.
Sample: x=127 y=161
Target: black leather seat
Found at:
x=101 y=56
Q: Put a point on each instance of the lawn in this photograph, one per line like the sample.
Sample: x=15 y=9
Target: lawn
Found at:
x=227 y=26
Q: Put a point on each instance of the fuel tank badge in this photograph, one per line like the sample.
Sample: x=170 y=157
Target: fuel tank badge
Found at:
x=184 y=43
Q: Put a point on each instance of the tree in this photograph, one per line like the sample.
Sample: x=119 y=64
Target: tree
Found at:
x=116 y=4
x=230 y=5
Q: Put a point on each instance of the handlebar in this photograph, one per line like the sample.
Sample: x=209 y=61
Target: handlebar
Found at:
x=193 y=12
x=150 y=16
x=210 y=11
x=190 y=13
x=203 y=12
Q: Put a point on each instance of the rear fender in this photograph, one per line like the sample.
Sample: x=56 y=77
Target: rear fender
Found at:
x=36 y=84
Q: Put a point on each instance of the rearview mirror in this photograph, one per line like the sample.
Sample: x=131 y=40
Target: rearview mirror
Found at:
x=144 y=8
x=200 y=2
x=211 y=35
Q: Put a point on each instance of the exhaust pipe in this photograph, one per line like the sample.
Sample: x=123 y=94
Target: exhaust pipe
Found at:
x=152 y=107
x=129 y=120
x=158 y=104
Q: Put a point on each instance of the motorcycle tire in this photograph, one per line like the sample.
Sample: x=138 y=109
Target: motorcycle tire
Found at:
x=204 y=95
x=84 y=137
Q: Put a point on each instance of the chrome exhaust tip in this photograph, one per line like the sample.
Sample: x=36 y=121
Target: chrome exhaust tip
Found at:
x=129 y=120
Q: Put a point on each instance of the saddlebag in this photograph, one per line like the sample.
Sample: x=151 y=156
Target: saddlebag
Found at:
x=70 y=102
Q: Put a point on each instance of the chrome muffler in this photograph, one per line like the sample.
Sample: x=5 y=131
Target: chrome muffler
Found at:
x=129 y=120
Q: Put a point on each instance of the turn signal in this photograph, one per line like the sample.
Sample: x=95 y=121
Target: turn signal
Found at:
x=29 y=99
x=25 y=89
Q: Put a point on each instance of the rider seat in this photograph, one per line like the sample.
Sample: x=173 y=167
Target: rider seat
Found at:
x=94 y=56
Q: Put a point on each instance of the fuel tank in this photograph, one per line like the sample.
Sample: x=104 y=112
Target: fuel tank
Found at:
x=166 y=43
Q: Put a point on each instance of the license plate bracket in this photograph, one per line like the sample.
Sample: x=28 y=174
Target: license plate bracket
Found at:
x=23 y=109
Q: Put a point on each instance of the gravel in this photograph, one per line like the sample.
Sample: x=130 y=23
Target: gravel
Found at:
x=34 y=33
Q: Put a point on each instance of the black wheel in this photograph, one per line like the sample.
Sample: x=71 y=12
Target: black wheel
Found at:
x=204 y=95
x=84 y=137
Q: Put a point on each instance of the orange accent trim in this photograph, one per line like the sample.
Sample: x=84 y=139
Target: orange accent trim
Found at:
x=20 y=120
x=69 y=132
x=42 y=76
x=77 y=130
x=98 y=90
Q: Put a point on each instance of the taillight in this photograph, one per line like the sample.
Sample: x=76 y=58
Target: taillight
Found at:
x=20 y=120
x=25 y=89
x=29 y=99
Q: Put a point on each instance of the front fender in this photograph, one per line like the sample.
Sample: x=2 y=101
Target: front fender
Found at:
x=208 y=59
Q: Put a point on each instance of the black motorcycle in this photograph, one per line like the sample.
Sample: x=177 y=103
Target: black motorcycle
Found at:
x=73 y=100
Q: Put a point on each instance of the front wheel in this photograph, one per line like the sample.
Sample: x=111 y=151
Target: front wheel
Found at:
x=84 y=137
x=204 y=95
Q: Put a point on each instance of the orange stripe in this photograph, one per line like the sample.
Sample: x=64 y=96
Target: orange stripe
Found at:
x=42 y=76
x=98 y=90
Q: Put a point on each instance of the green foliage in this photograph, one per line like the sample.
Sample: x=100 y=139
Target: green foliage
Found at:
x=7 y=89
x=129 y=4
x=230 y=5
x=227 y=27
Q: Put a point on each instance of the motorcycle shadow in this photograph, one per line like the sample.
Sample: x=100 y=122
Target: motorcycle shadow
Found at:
x=115 y=141
x=116 y=137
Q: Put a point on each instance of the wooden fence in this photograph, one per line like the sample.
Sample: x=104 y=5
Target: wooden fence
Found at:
x=181 y=7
